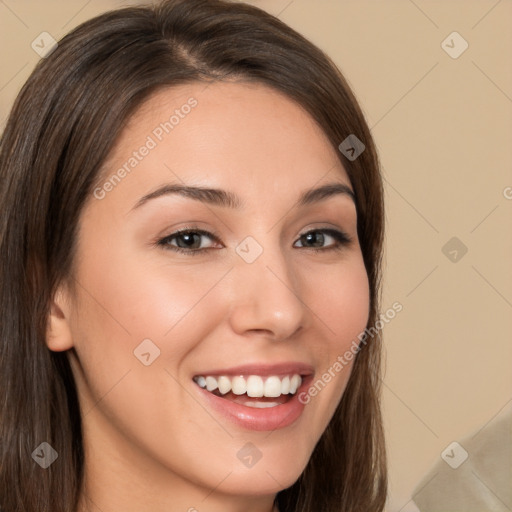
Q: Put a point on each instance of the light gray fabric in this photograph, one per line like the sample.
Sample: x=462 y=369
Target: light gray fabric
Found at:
x=482 y=483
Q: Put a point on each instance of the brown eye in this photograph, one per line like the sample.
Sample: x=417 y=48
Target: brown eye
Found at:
x=313 y=238
x=188 y=240
x=191 y=241
x=324 y=239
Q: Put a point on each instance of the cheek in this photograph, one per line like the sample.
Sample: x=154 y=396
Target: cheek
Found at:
x=131 y=291
x=132 y=300
x=127 y=301
x=342 y=307
x=342 y=303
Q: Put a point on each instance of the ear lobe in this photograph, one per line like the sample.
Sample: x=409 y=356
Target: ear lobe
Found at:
x=58 y=330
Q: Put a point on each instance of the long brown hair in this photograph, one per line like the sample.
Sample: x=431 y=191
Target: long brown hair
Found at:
x=63 y=124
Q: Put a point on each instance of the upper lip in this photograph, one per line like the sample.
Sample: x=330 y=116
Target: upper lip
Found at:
x=286 y=368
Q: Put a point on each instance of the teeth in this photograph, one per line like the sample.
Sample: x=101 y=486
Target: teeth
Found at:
x=254 y=385
x=261 y=405
x=285 y=385
x=272 y=387
x=295 y=382
x=211 y=383
x=224 y=385
x=238 y=385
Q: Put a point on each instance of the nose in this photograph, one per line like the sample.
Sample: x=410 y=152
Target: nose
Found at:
x=266 y=298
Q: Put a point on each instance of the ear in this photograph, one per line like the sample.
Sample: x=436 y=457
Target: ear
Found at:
x=58 y=330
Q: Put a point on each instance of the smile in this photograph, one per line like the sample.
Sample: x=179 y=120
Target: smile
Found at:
x=240 y=389
x=256 y=397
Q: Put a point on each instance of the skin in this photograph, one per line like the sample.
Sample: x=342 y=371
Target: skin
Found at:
x=151 y=442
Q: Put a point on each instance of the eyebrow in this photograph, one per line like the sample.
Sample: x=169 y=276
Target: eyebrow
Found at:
x=219 y=197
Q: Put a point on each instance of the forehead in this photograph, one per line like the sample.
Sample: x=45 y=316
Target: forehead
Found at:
x=242 y=135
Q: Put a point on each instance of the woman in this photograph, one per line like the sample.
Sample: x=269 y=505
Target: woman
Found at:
x=191 y=236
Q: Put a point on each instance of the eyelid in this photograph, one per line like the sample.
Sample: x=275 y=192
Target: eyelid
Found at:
x=213 y=235
x=342 y=239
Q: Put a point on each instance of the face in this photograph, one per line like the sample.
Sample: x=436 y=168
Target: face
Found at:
x=208 y=273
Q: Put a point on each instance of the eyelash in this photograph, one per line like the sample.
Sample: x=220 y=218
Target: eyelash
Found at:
x=341 y=238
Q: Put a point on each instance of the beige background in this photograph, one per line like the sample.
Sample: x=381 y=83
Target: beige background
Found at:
x=443 y=127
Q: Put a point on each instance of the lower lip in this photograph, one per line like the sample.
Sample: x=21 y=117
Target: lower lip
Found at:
x=251 y=418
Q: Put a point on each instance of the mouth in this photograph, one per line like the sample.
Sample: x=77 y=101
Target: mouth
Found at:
x=253 y=390
x=256 y=397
